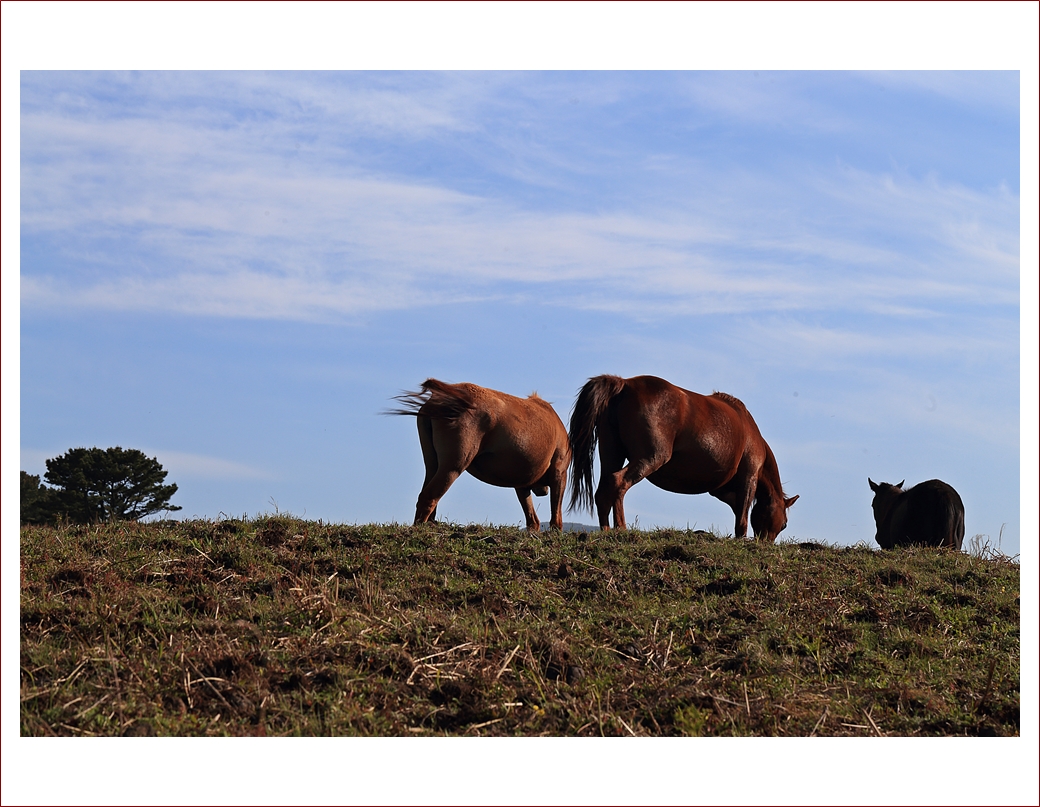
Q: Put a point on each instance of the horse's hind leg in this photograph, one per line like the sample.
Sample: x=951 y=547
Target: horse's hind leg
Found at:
x=609 y=494
x=615 y=480
x=557 y=486
x=524 y=495
x=425 y=427
x=453 y=447
x=620 y=482
x=432 y=491
x=433 y=487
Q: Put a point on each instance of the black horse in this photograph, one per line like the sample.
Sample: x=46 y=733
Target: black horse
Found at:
x=928 y=514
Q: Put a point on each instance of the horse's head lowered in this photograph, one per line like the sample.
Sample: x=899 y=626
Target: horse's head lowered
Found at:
x=769 y=516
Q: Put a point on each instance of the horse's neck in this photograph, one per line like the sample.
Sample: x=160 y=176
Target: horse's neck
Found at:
x=769 y=478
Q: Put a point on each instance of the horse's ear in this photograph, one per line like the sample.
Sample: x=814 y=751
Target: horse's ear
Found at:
x=792 y=500
x=873 y=485
x=900 y=485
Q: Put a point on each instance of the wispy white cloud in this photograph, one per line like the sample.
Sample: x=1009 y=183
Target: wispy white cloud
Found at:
x=939 y=377
x=976 y=229
x=262 y=207
x=339 y=246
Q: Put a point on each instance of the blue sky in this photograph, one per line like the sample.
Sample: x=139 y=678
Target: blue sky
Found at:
x=235 y=271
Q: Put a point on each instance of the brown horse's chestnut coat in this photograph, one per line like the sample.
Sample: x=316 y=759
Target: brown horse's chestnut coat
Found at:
x=682 y=442
x=500 y=439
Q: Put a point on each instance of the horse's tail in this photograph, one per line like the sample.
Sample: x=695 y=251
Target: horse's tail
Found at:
x=592 y=402
x=956 y=527
x=949 y=517
x=436 y=399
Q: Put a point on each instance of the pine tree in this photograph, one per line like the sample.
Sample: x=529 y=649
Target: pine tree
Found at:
x=111 y=484
x=37 y=503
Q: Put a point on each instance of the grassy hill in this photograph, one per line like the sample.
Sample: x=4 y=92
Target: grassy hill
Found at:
x=278 y=626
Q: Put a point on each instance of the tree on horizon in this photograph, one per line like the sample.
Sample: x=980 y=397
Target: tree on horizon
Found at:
x=94 y=484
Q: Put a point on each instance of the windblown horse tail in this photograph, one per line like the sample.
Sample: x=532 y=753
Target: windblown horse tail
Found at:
x=436 y=399
x=592 y=402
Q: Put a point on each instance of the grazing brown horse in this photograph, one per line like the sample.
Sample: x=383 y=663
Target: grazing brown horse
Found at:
x=928 y=514
x=502 y=440
x=682 y=442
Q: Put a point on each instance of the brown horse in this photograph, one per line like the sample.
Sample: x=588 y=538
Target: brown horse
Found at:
x=682 y=442
x=500 y=439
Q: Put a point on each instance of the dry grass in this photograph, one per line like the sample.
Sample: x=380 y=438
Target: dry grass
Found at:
x=278 y=626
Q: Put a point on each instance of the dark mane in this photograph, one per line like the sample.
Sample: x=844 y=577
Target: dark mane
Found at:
x=771 y=473
x=436 y=400
x=736 y=403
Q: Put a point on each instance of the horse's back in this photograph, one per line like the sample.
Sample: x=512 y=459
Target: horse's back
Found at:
x=525 y=424
x=452 y=401
x=507 y=423
x=651 y=394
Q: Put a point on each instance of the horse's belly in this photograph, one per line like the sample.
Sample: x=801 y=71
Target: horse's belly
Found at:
x=678 y=477
x=506 y=469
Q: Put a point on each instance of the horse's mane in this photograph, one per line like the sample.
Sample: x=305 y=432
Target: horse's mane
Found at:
x=771 y=475
x=772 y=472
x=436 y=399
x=736 y=403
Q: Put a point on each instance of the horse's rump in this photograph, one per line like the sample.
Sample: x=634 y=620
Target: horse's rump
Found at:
x=929 y=514
x=932 y=513
x=436 y=400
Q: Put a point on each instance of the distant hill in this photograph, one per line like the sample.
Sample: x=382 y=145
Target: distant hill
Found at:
x=574 y=526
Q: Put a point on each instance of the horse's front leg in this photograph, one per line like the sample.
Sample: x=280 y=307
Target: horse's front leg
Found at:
x=527 y=503
x=738 y=498
x=741 y=507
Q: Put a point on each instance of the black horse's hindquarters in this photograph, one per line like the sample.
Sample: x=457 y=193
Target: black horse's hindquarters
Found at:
x=928 y=514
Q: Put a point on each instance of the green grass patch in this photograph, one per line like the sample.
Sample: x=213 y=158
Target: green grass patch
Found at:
x=279 y=626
